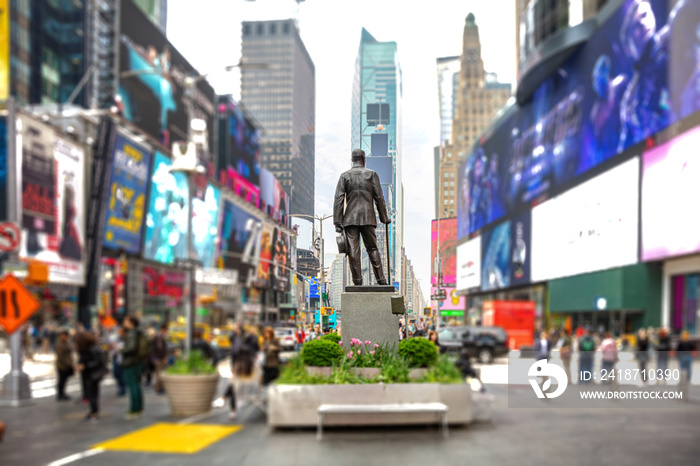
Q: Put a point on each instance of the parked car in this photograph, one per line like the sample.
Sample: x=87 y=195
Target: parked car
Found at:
x=483 y=343
x=286 y=337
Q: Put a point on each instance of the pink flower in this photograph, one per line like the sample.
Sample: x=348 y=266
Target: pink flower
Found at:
x=340 y=343
x=368 y=342
x=371 y=352
x=350 y=354
x=376 y=345
x=359 y=352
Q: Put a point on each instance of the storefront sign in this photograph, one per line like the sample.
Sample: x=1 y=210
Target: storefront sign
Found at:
x=217 y=276
x=163 y=283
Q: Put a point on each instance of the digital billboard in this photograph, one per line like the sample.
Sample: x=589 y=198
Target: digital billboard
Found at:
x=235 y=233
x=263 y=277
x=205 y=225
x=591 y=227
x=454 y=302
x=151 y=81
x=444 y=230
x=168 y=207
x=281 y=260
x=505 y=254
x=670 y=187
x=275 y=201
x=619 y=88
x=238 y=152
x=126 y=204
x=469 y=264
x=3 y=167
x=53 y=202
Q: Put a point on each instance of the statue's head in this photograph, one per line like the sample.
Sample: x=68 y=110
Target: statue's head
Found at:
x=358 y=156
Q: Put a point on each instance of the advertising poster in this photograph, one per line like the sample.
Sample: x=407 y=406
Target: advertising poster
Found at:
x=263 y=276
x=281 y=258
x=496 y=257
x=520 y=249
x=3 y=167
x=205 y=225
x=671 y=183
x=4 y=50
x=267 y=193
x=613 y=93
x=163 y=283
x=591 y=227
x=53 y=203
x=453 y=302
x=235 y=230
x=469 y=264
x=446 y=231
x=126 y=205
x=282 y=204
x=238 y=157
x=166 y=220
x=151 y=83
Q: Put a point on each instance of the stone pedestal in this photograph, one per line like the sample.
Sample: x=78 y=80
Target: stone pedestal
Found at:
x=368 y=316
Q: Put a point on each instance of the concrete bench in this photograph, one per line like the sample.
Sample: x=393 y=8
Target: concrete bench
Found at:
x=438 y=408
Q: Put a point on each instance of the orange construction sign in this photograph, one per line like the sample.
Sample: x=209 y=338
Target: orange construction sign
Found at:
x=17 y=304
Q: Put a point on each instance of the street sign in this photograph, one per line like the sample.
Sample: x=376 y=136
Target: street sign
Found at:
x=17 y=304
x=440 y=295
x=10 y=236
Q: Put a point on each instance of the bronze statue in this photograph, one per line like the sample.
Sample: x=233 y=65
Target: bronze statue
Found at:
x=353 y=211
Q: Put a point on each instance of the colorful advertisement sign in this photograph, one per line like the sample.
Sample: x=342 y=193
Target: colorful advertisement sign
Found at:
x=444 y=231
x=168 y=208
x=3 y=167
x=151 y=83
x=205 y=225
x=506 y=254
x=591 y=227
x=281 y=258
x=236 y=229
x=275 y=201
x=619 y=88
x=4 y=49
x=453 y=301
x=53 y=202
x=158 y=282
x=126 y=205
x=263 y=278
x=469 y=264
x=238 y=152
x=670 y=183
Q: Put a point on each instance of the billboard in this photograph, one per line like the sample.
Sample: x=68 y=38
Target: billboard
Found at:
x=275 y=201
x=379 y=144
x=151 y=81
x=263 y=277
x=453 y=301
x=235 y=231
x=205 y=225
x=469 y=264
x=612 y=93
x=281 y=260
x=591 y=227
x=166 y=219
x=384 y=168
x=444 y=230
x=670 y=185
x=53 y=202
x=506 y=254
x=126 y=204
x=4 y=50
x=3 y=167
x=238 y=152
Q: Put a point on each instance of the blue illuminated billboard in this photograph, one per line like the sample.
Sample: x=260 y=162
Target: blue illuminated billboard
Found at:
x=205 y=226
x=636 y=76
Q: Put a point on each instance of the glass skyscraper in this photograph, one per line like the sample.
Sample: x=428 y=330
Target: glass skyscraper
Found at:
x=281 y=97
x=376 y=129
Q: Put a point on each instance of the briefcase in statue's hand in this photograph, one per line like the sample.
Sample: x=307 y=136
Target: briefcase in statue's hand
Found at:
x=342 y=241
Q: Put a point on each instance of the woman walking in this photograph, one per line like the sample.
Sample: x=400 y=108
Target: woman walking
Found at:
x=271 y=350
x=93 y=369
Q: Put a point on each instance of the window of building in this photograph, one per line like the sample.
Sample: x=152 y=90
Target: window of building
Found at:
x=452 y=201
x=285 y=28
x=246 y=29
x=273 y=29
x=260 y=30
x=446 y=184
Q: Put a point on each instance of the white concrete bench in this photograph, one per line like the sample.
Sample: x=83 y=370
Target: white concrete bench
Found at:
x=438 y=408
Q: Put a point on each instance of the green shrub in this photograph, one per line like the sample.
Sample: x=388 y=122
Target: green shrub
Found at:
x=443 y=371
x=321 y=353
x=418 y=352
x=193 y=364
x=334 y=337
x=294 y=373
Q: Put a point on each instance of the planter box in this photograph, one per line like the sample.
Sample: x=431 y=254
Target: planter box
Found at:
x=190 y=394
x=297 y=405
x=368 y=372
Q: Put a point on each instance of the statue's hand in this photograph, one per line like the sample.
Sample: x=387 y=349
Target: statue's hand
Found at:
x=387 y=222
x=338 y=228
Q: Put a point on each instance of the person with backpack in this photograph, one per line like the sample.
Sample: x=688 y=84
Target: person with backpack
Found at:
x=93 y=365
x=586 y=351
x=608 y=351
x=135 y=352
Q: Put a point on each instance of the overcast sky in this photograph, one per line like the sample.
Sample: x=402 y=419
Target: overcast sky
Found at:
x=208 y=34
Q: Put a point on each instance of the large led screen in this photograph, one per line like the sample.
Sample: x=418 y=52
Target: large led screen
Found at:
x=281 y=260
x=670 y=192
x=274 y=198
x=126 y=204
x=53 y=202
x=384 y=168
x=205 y=225
x=444 y=231
x=619 y=88
x=236 y=230
x=151 y=81
x=591 y=227
x=469 y=264
x=168 y=207
x=505 y=254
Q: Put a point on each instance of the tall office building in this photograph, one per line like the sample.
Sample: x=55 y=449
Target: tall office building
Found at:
x=479 y=98
x=448 y=83
x=338 y=280
x=281 y=96
x=376 y=129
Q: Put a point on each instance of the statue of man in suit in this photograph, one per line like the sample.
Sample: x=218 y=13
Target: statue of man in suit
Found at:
x=353 y=210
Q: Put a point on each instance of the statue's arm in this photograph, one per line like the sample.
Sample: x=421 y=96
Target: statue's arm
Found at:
x=379 y=199
x=339 y=202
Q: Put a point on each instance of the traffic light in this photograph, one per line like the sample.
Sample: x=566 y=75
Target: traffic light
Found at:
x=427 y=311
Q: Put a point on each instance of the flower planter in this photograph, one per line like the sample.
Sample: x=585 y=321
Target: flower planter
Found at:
x=319 y=370
x=417 y=373
x=190 y=394
x=368 y=372
x=297 y=405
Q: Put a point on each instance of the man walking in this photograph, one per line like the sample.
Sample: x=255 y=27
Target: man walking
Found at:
x=357 y=192
x=132 y=364
x=159 y=356
x=64 y=364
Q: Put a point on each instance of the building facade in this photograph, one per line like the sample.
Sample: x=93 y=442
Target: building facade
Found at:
x=448 y=84
x=281 y=96
x=376 y=129
x=338 y=280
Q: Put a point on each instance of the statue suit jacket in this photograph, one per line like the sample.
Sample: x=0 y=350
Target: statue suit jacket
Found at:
x=358 y=189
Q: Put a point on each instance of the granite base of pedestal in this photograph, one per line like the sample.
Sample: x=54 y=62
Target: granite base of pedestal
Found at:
x=367 y=316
